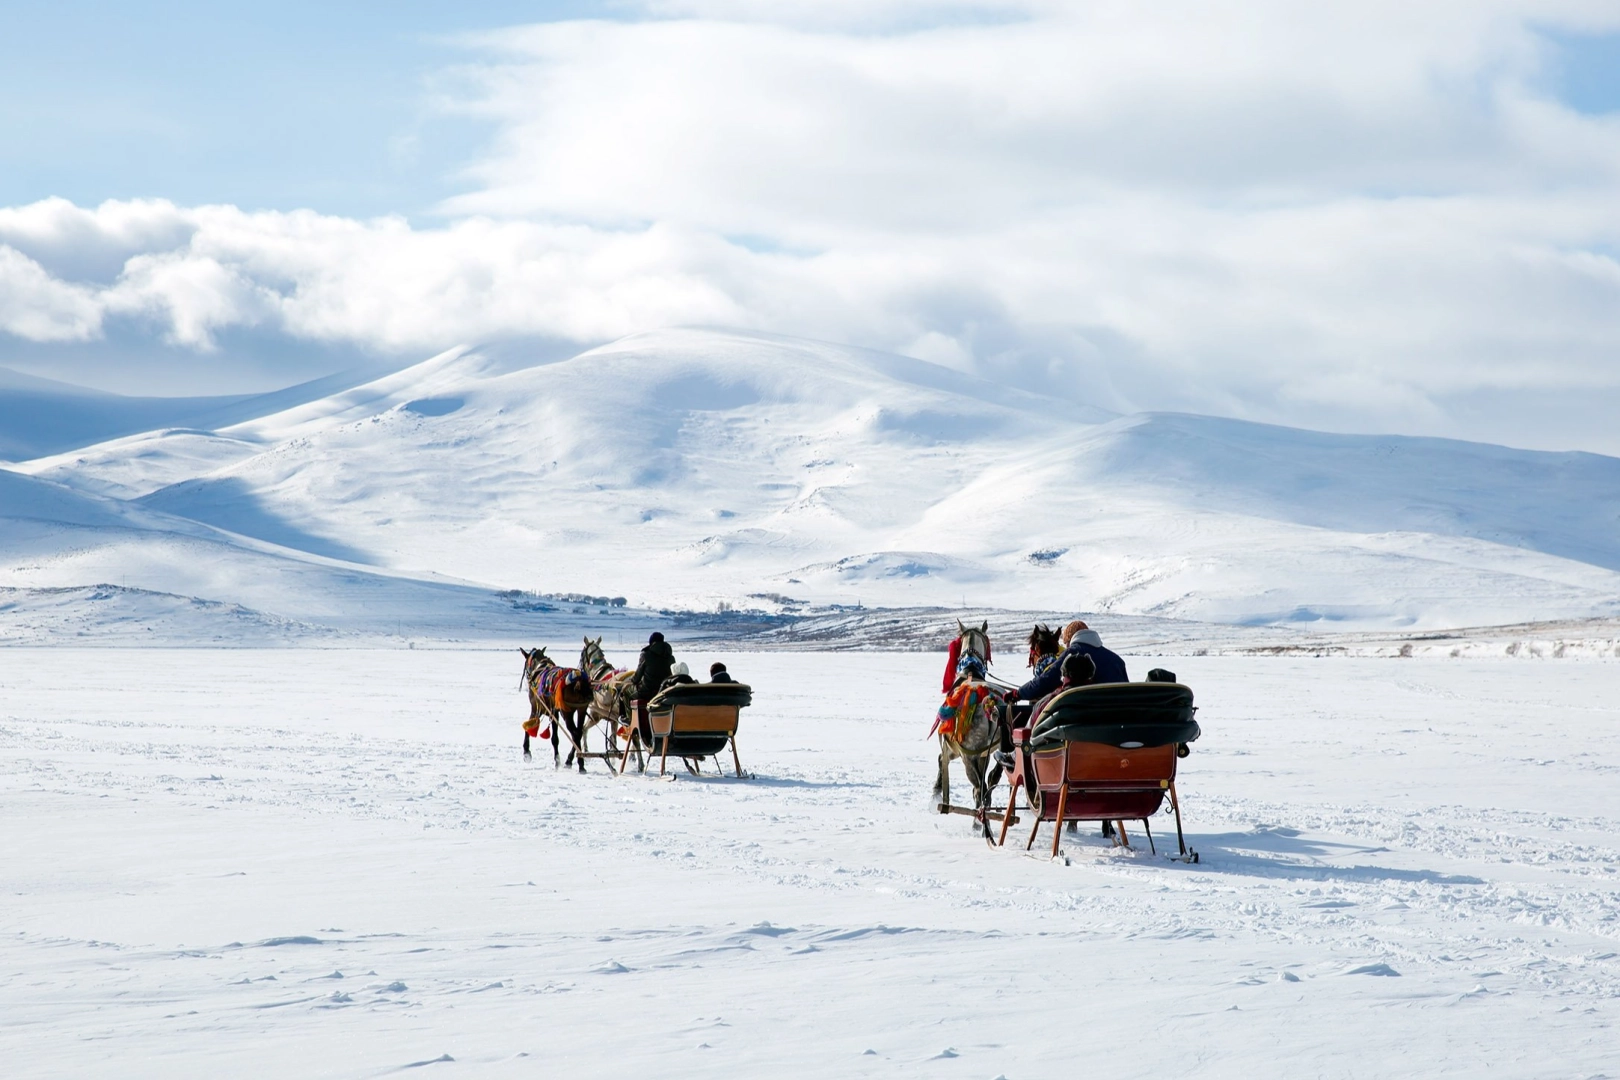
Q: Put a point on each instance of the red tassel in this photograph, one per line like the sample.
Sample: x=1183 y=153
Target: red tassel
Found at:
x=951 y=658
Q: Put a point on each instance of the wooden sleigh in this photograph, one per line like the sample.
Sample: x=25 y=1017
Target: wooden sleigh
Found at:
x=691 y=722
x=1105 y=752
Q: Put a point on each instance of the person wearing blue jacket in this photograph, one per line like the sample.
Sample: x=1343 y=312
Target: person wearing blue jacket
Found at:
x=1079 y=639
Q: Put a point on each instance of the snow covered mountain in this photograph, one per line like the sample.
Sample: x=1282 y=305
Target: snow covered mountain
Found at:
x=42 y=416
x=692 y=467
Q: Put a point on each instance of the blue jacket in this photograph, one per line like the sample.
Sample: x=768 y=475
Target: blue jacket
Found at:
x=1110 y=668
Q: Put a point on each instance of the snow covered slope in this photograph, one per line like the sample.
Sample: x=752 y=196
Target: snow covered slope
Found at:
x=43 y=416
x=80 y=566
x=690 y=467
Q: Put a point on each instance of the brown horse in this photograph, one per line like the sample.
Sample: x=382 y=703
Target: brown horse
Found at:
x=1043 y=642
x=561 y=695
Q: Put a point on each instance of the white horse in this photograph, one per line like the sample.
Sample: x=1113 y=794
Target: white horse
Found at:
x=975 y=728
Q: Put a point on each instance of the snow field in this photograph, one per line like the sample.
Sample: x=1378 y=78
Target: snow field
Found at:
x=334 y=863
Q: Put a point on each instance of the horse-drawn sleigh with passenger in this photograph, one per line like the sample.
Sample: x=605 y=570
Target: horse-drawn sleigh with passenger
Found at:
x=1084 y=749
x=656 y=713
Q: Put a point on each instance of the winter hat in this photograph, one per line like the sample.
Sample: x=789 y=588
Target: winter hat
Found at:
x=1159 y=674
x=655 y=638
x=1079 y=669
x=680 y=669
x=1072 y=629
x=716 y=668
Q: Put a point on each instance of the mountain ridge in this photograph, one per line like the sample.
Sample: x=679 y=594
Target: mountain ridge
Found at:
x=692 y=467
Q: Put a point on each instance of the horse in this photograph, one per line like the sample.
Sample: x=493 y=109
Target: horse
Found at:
x=1044 y=642
x=969 y=641
x=561 y=695
x=612 y=691
x=969 y=724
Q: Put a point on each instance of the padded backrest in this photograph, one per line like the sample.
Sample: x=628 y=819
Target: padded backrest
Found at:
x=1118 y=714
x=734 y=694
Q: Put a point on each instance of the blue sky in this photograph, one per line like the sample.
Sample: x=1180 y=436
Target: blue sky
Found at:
x=284 y=105
x=1363 y=216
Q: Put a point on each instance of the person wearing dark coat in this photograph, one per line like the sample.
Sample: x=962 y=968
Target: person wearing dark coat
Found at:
x=656 y=663
x=680 y=675
x=1077 y=669
x=1078 y=639
x=718 y=673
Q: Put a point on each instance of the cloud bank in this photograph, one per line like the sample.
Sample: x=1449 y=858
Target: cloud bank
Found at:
x=1351 y=215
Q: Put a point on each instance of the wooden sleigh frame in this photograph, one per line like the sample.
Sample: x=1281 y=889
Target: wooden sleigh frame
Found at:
x=609 y=753
x=1087 y=781
x=688 y=729
x=1106 y=752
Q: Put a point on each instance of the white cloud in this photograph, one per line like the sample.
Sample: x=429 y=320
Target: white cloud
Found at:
x=1346 y=214
x=38 y=307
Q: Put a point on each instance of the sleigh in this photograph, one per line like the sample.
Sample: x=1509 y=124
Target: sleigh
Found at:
x=690 y=721
x=1105 y=752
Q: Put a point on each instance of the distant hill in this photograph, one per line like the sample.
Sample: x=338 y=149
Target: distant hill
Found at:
x=699 y=467
x=40 y=417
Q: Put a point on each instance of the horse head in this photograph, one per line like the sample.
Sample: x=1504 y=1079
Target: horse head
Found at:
x=592 y=658
x=975 y=639
x=533 y=661
x=1043 y=641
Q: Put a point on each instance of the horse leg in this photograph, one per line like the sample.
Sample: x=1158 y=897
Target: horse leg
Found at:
x=981 y=794
x=577 y=729
x=556 y=752
x=534 y=716
x=942 y=786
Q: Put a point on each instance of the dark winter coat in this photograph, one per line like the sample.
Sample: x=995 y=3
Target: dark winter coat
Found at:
x=652 y=668
x=721 y=676
x=1110 y=668
x=677 y=680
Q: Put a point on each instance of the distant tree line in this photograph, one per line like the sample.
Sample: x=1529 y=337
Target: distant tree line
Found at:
x=565 y=598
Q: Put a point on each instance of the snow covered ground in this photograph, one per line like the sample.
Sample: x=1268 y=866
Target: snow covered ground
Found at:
x=334 y=863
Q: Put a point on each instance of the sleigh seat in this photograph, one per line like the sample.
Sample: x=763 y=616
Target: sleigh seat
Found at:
x=692 y=721
x=1106 y=752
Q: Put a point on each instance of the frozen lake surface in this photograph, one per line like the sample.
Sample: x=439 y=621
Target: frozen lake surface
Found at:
x=334 y=863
